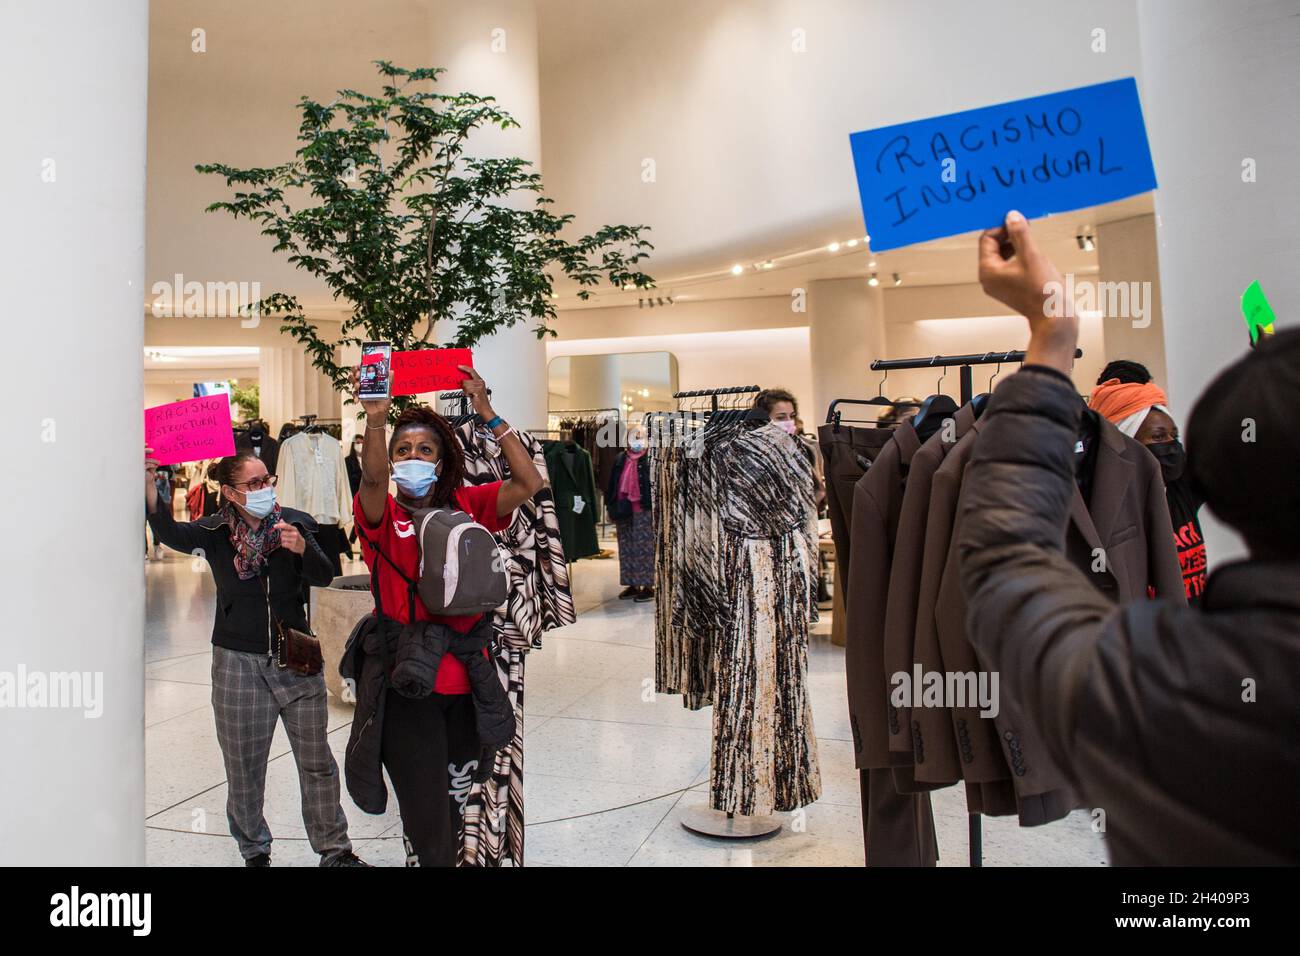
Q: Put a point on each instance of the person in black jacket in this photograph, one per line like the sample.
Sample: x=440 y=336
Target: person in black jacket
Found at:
x=260 y=555
x=1176 y=725
x=627 y=501
x=353 y=463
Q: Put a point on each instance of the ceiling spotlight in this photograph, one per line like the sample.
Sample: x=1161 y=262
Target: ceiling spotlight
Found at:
x=866 y=238
x=640 y=303
x=851 y=243
x=1085 y=243
x=898 y=280
x=871 y=264
x=670 y=300
x=767 y=264
x=650 y=302
x=833 y=247
x=660 y=300
x=873 y=281
x=737 y=269
x=555 y=295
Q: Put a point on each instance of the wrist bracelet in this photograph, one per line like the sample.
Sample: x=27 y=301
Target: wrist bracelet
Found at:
x=371 y=428
x=505 y=434
x=494 y=422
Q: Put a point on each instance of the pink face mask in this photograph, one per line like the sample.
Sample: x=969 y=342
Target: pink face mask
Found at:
x=786 y=425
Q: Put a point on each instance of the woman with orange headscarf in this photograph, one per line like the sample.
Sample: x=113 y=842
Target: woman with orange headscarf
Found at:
x=1127 y=398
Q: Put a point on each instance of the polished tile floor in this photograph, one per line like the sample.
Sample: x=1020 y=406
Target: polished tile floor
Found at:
x=610 y=768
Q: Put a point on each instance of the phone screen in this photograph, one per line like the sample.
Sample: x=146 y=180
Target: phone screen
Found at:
x=376 y=370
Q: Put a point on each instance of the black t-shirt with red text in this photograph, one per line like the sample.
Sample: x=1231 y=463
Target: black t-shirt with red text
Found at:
x=1183 y=506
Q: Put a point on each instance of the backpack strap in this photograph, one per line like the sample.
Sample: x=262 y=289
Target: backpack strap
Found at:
x=374 y=581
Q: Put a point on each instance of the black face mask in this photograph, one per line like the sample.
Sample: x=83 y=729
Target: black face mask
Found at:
x=1172 y=458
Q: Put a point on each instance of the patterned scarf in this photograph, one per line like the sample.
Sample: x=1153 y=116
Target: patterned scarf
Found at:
x=251 y=546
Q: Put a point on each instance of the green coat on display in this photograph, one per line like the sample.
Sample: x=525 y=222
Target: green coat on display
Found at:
x=573 y=480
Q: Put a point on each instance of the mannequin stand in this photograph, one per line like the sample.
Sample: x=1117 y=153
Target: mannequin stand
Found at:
x=717 y=823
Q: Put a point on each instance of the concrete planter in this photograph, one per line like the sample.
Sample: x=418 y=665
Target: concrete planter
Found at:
x=335 y=610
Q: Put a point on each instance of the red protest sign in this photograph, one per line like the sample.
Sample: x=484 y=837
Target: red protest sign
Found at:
x=429 y=370
x=189 y=431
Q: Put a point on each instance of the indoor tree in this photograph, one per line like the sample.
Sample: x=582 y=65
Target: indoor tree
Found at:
x=382 y=202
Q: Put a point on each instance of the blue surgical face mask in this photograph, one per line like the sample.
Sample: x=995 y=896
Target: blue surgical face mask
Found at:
x=415 y=476
x=636 y=445
x=259 y=503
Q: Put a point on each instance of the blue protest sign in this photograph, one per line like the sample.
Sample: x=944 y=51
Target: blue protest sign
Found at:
x=1046 y=154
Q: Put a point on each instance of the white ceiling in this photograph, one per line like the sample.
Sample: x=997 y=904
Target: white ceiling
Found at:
x=749 y=138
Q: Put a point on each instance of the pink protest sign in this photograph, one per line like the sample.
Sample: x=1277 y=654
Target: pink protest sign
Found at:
x=429 y=370
x=189 y=431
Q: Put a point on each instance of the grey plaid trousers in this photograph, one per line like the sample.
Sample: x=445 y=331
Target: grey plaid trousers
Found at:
x=248 y=696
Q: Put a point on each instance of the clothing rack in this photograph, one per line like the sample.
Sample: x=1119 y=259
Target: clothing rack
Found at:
x=713 y=393
x=579 y=411
x=462 y=412
x=951 y=361
x=964 y=362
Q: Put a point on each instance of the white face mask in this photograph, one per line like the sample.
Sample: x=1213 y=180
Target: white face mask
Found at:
x=415 y=476
x=259 y=503
x=786 y=425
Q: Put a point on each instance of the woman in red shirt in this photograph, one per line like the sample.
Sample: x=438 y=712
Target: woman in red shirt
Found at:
x=428 y=742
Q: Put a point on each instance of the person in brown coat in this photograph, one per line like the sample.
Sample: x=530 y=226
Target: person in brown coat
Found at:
x=1176 y=725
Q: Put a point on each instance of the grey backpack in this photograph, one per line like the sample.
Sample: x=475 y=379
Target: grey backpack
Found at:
x=462 y=568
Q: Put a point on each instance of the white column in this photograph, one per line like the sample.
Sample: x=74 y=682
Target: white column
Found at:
x=490 y=47
x=289 y=386
x=846 y=331
x=72 y=182
x=1218 y=93
x=1126 y=252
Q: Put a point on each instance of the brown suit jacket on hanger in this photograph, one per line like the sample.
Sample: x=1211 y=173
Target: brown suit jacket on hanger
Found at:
x=877 y=504
x=844 y=449
x=989 y=789
x=897 y=829
x=902 y=610
x=933 y=743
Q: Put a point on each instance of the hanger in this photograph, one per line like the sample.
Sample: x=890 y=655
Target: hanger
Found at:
x=980 y=401
x=880 y=393
x=935 y=408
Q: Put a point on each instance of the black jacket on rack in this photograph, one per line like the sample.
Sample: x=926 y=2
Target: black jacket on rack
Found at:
x=569 y=468
x=261 y=444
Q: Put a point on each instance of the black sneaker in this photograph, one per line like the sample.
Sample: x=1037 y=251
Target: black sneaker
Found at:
x=262 y=859
x=627 y=593
x=345 y=859
x=644 y=594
